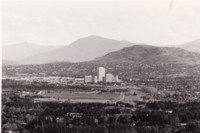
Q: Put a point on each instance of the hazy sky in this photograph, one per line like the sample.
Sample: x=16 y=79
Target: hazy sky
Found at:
x=60 y=22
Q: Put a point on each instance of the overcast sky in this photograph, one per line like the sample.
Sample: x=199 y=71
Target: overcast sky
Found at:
x=60 y=22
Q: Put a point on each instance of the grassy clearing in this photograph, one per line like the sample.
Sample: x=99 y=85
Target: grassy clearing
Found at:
x=71 y=95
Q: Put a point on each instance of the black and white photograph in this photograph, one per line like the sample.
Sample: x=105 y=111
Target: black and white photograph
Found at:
x=100 y=66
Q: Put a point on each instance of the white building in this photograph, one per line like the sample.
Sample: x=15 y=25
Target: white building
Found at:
x=116 y=79
x=109 y=78
x=101 y=74
x=79 y=80
x=95 y=79
x=88 y=79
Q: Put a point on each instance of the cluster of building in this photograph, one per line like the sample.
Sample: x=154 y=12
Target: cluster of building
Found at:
x=102 y=77
x=48 y=79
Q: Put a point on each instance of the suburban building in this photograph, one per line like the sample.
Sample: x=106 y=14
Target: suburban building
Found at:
x=109 y=78
x=95 y=79
x=88 y=79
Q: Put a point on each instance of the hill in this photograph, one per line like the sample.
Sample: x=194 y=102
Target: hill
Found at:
x=159 y=67
x=84 y=49
x=24 y=50
x=151 y=54
x=193 y=46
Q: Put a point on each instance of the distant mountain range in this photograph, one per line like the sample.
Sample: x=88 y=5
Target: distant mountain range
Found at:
x=17 y=52
x=99 y=49
x=193 y=46
x=137 y=61
x=132 y=61
x=84 y=49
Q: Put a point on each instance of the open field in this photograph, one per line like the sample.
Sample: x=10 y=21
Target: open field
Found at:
x=83 y=97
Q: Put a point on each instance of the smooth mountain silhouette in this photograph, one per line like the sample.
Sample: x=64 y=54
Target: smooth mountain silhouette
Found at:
x=84 y=49
x=24 y=50
x=193 y=46
x=151 y=54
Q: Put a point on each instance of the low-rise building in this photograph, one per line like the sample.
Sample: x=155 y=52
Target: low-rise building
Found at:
x=109 y=78
x=95 y=79
x=88 y=79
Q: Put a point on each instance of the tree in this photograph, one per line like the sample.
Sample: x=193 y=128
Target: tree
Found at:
x=101 y=129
